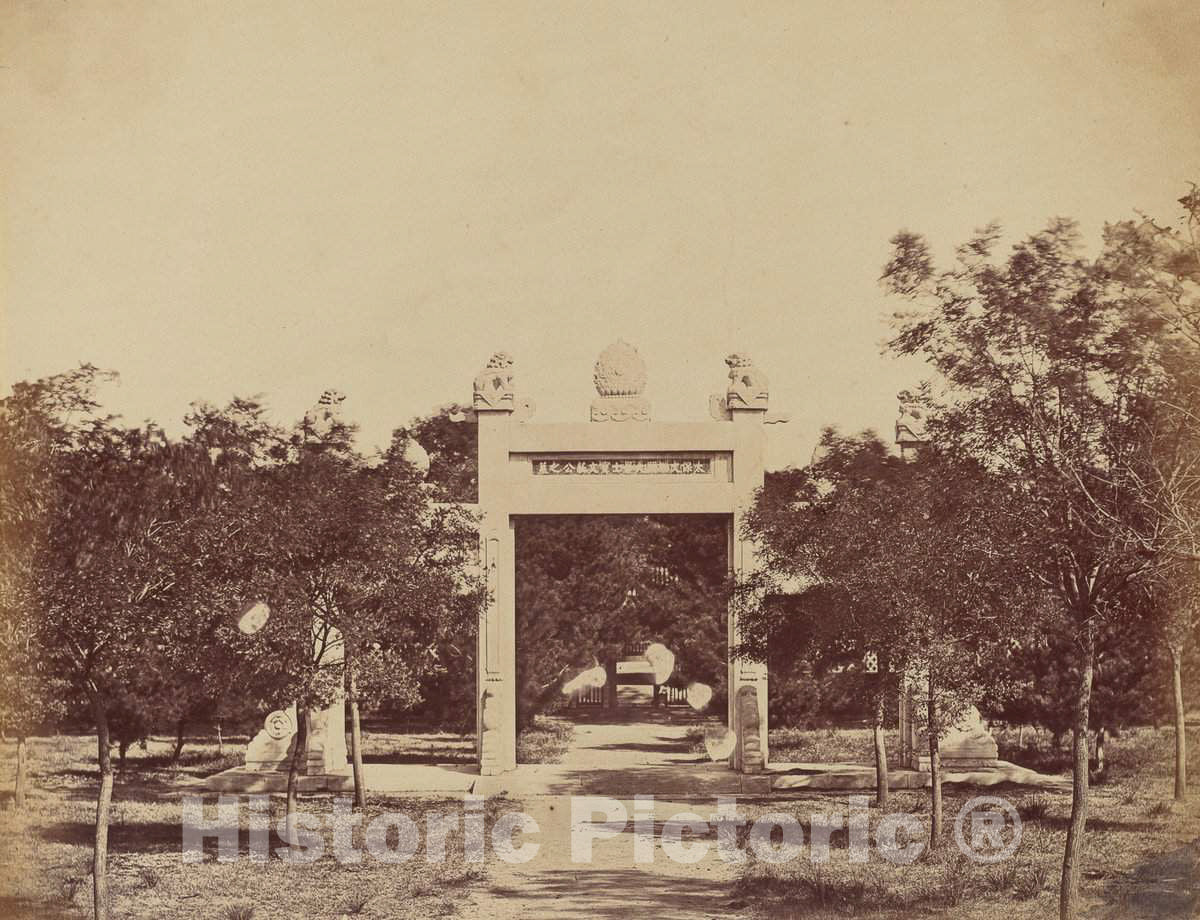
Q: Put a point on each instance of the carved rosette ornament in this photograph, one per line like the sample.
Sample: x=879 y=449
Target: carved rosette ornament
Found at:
x=748 y=387
x=620 y=378
x=279 y=725
x=494 y=384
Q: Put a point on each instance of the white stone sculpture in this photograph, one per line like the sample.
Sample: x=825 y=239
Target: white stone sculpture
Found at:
x=620 y=378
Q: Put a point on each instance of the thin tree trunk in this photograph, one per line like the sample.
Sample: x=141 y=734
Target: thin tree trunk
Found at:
x=180 y=726
x=360 y=784
x=610 y=668
x=1180 y=724
x=220 y=741
x=1020 y=736
x=935 y=775
x=293 y=785
x=1068 y=894
x=122 y=750
x=881 y=762
x=103 y=808
x=22 y=769
x=1101 y=763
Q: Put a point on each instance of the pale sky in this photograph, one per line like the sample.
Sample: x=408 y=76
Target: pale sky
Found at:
x=282 y=197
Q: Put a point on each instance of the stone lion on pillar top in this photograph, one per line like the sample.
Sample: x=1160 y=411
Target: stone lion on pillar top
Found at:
x=748 y=386
x=494 y=384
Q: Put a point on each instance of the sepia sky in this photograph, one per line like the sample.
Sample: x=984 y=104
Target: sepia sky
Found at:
x=281 y=197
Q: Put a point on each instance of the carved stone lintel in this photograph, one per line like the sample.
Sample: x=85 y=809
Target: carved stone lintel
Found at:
x=748 y=386
x=494 y=384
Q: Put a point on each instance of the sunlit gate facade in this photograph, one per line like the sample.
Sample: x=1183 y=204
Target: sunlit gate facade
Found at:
x=618 y=463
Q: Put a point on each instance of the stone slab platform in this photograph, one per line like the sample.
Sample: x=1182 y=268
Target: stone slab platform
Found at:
x=379 y=777
x=847 y=776
x=678 y=779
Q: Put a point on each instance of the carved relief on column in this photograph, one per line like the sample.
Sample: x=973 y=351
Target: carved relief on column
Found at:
x=749 y=729
x=620 y=378
x=494 y=384
x=490 y=718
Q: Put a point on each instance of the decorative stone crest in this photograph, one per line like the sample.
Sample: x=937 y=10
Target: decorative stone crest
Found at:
x=494 y=384
x=748 y=387
x=620 y=378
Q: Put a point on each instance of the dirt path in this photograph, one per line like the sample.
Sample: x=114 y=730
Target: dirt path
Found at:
x=612 y=884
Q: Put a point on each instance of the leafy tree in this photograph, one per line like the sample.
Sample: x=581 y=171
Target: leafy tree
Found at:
x=112 y=506
x=909 y=554
x=1157 y=270
x=1124 y=691
x=451 y=438
x=39 y=422
x=350 y=552
x=1045 y=370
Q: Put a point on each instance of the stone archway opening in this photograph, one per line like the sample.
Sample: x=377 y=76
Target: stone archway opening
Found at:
x=618 y=463
x=621 y=618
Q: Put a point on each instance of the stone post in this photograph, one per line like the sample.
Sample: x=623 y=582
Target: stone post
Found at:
x=746 y=404
x=496 y=715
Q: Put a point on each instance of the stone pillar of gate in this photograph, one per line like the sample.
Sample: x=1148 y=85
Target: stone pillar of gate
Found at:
x=746 y=408
x=496 y=664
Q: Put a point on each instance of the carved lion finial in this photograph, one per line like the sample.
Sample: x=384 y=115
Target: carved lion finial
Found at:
x=321 y=419
x=494 y=384
x=748 y=386
x=910 y=424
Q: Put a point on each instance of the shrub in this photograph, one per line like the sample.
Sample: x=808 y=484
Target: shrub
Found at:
x=1031 y=883
x=1161 y=810
x=1004 y=876
x=1034 y=809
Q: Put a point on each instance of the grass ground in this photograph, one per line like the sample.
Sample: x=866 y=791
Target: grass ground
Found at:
x=817 y=745
x=1142 y=853
x=45 y=854
x=544 y=741
x=1141 y=856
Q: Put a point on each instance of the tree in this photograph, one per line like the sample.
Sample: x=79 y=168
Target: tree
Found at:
x=1157 y=269
x=38 y=422
x=1045 y=371
x=909 y=554
x=113 y=506
x=364 y=575
x=1124 y=690
x=387 y=569
x=451 y=438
